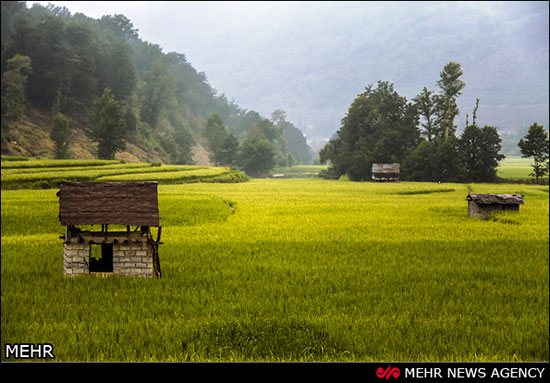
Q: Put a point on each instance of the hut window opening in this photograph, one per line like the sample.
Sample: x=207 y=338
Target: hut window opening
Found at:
x=101 y=258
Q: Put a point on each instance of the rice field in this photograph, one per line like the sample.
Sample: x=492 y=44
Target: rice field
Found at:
x=293 y=270
x=36 y=174
x=515 y=168
x=299 y=171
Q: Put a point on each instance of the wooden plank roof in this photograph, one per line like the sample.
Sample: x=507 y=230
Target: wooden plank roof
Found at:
x=108 y=203
x=385 y=168
x=496 y=199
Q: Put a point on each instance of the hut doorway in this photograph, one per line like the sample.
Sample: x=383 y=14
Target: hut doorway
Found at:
x=101 y=258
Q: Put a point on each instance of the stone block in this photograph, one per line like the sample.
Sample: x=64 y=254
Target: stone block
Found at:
x=71 y=253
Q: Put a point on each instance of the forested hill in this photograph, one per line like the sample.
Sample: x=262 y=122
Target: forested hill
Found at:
x=165 y=101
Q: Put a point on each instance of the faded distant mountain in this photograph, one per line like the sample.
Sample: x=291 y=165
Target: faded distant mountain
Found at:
x=312 y=59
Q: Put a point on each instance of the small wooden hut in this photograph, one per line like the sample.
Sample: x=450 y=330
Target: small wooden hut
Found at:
x=481 y=205
x=129 y=252
x=385 y=172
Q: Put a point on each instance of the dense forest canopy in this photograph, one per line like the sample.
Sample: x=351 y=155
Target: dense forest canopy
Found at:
x=164 y=100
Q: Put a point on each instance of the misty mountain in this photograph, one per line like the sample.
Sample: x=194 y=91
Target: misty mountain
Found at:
x=72 y=59
x=312 y=59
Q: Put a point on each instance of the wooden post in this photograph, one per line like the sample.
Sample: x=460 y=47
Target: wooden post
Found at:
x=155 y=248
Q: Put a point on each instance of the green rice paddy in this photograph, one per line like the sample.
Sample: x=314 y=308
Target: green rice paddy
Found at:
x=515 y=168
x=293 y=270
x=45 y=174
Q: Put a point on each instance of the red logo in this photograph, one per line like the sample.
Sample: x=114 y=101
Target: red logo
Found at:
x=389 y=372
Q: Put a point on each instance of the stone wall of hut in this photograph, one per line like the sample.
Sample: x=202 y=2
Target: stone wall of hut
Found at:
x=483 y=211
x=133 y=259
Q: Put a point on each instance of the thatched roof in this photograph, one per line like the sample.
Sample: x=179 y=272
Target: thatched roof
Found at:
x=496 y=199
x=108 y=203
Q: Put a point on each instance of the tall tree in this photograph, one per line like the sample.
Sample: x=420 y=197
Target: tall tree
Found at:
x=446 y=107
x=536 y=144
x=53 y=61
x=380 y=126
x=229 y=151
x=297 y=145
x=257 y=156
x=14 y=81
x=59 y=135
x=119 y=26
x=116 y=70
x=83 y=86
x=278 y=117
x=184 y=142
x=490 y=153
x=216 y=135
x=480 y=149
x=437 y=161
x=11 y=14
x=264 y=129
x=155 y=93
x=426 y=106
x=107 y=126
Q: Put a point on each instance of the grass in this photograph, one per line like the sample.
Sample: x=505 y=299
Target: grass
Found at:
x=293 y=270
x=13 y=171
x=300 y=171
x=514 y=168
x=44 y=174
x=35 y=163
x=14 y=158
x=174 y=175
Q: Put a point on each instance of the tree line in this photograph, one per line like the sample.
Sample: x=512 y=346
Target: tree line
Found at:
x=98 y=75
x=267 y=144
x=383 y=127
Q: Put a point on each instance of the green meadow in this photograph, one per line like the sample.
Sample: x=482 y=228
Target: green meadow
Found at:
x=293 y=270
x=515 y=168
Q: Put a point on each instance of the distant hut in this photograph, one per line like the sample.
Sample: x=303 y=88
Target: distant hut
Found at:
x=385 y=172
x=481 y=205
x=130 y=252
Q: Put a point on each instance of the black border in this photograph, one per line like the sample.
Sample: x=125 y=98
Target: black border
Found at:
x=337 y=371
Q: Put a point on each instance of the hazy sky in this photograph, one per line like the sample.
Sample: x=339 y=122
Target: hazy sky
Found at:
x=313 y=58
